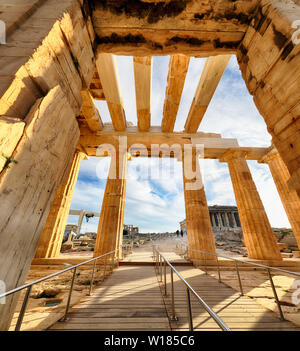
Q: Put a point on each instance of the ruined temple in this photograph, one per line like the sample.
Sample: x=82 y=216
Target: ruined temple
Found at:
x=221 y=217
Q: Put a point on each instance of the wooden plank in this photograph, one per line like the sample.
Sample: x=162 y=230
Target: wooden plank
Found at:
x=90 y=112
x=107 y=70
x=178 y=66
x=143 y=84
x=29 y=185
x=238 y=312
x=211 y=75
x=116 y=305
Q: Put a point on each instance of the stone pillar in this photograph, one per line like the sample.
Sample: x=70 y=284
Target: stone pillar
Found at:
x=269 y=62
x=216 y=220
x=199 y=230
x=220 y=220
x=28 y=187
x=258 y=234
x=289 y=198
x=122 y=210
x=226 y=220
x=52 y=236
x=110 y=229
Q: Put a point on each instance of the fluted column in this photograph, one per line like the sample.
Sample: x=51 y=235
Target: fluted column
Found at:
x=52 y=236
x=289 y=198
x=199 y=230
x=213 y=220
x=227 y=219
x=258 y=234
x=110 y=228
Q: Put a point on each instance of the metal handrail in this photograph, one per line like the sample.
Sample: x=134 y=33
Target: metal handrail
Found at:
x=159 y=263
x=28 y=286
x=242 y=261
x=236 y=260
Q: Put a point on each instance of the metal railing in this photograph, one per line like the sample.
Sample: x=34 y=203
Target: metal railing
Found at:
x=161 y=264
x=109 y=263
x=236 y=261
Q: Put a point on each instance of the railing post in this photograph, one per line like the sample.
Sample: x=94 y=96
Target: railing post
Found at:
x=189 y=309
x=105 y=263
x=173 y=317
x=275 y=295
x=165 y=278
x=205 y=268
x=69 y=297
x=158 y=264
x=92 y=279
x=161 y=269
x=23 y=309
x=113 y=262
x=239 y=278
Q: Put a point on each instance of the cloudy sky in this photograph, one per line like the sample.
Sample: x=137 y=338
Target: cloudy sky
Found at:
x=156 y=204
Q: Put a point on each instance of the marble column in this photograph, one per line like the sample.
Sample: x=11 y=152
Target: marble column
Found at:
x=52 y=236
x=220 y=220
x=199 y=230
x=233 y=219
x=213 y=220
x=110 y=228
x=289 y=198
x=259 y=237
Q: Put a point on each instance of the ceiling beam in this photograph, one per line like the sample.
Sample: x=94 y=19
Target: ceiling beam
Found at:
x=90 y=112
x=156 y=142
x=178 y=66
x=211 y=75
x=107 y=69
x=143 y=84
x=164 y=27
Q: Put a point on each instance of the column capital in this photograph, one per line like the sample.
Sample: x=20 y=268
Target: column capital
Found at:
x=271 y=154
x=232 y=154
x=82 y=151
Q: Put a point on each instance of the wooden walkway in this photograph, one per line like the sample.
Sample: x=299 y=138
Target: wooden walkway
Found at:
x=238 y=312
x=132 y=299
x=129 y=299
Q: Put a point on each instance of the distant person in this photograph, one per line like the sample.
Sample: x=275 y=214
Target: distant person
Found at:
x=181 y=233
x=177 y=232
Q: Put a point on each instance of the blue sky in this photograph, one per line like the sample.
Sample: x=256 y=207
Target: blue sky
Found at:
x=157 y=205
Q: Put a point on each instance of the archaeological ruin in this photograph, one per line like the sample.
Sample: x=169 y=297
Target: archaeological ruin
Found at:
x=58 y=58
x=221 y=217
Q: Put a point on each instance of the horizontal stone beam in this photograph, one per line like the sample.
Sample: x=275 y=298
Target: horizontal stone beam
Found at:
x=189 y=27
